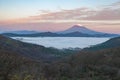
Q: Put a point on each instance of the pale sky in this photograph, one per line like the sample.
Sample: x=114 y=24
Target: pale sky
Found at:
x=56 y=15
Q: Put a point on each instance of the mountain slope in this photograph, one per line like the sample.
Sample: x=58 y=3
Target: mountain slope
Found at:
x=86 y=31
x=42 y=34
x=76 y=34
x=85 y=65
x=22 y=32
x=102 y=64
x=99 y=65
x=32 y=51
x=112 y=43
x=82 y=29
x=15 y=66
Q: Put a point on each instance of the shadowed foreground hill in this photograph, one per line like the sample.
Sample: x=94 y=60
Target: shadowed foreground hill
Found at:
x=99 y=65
x=11 y=64
x=22 y=61
x=102 y=65
x=112 y=43
x=32 y=51
x=85 y=65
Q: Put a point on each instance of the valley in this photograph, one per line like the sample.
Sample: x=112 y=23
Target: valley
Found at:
x=63 y=42
x=19 y=61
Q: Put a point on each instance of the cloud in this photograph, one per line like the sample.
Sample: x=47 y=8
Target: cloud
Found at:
x=107 y=12
x=64 y=15
x=105 y=18
x=116 y=4
x=104 y=26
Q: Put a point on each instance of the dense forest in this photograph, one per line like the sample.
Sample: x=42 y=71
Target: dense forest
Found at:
x=18 y=63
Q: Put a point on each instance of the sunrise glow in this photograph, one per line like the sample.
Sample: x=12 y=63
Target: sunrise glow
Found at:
x=57 y=15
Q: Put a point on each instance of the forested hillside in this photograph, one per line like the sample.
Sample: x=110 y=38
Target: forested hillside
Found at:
x=112 y=43
x=101 y=64
x=32 y=51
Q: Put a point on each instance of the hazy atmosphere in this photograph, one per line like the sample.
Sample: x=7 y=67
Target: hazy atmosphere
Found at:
x=59 y=39
x=57 y=15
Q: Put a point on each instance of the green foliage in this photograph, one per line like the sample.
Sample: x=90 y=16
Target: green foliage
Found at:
x=64 y=78
x=42 y=78
x=28 y=77
x=33 y=51
x=114 y=42
x=15 y=77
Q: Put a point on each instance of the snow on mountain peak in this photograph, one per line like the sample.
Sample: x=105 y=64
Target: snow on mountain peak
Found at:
x=79 y=26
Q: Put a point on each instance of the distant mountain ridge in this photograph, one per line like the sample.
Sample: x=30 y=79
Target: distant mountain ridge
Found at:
x=22 y=32
x=74 y=31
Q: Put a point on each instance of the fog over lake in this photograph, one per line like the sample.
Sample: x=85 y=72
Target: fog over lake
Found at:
x=63 y=42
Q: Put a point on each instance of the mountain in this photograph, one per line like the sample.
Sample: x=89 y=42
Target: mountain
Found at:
x=75 y=31
x=42 y=34
x=50 y=34
x=112 y=43
x=81 y=29
x=22 y=32
x=75 y=34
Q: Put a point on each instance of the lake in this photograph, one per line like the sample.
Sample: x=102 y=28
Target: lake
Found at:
x=63 y=42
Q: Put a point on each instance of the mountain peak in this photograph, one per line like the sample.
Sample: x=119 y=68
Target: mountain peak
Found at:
x=78 y=26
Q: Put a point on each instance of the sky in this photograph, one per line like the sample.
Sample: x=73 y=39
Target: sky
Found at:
x=57 y=15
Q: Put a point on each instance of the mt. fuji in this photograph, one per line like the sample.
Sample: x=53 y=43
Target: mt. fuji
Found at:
x=81 y=29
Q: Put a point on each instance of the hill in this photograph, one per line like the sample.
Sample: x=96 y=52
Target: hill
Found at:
x=18 y=61
x=42 y=34
x=112 y=43
x=16 y=66
x=23 y=61
x=32 y=51
x=99 y=65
